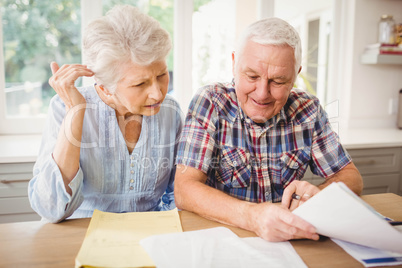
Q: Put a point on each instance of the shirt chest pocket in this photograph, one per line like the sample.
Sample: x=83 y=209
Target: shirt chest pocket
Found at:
x=234 y=168
x=294 y=165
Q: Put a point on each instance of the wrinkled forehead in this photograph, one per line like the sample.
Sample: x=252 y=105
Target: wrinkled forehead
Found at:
x=261 y=58
x=132 y=72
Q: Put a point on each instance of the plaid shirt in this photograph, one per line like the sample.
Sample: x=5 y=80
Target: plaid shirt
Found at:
x=255 y=162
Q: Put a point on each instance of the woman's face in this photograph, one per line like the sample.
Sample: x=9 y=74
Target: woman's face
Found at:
x=142 y=89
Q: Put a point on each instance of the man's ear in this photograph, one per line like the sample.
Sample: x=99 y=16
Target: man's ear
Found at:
x=233 y=63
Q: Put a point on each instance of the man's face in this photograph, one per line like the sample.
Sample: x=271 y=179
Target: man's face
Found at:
x=264 y=76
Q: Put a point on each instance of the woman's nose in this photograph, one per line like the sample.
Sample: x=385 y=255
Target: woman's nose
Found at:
x=155 y=92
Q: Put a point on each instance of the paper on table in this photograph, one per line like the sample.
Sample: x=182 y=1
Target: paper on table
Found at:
x=337 y=212
x=218 y=247
x=112 y=239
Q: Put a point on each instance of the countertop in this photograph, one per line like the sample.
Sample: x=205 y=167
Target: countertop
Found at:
x=25 y=148
x=19 y=148
x=370 y=138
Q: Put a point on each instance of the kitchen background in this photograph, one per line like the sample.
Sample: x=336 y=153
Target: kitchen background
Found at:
x=360 y=97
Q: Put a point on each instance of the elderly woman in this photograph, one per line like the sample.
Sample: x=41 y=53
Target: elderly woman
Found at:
x=110 y=146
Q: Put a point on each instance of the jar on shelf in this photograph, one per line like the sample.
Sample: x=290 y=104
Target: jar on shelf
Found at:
x=386 y=30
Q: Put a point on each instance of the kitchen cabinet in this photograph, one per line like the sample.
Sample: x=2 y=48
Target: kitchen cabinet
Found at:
x=14 y=203
x=379 y=167
x=376 y=153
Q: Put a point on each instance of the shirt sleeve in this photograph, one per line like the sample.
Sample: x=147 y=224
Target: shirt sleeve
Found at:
x=46 y=191
x=168 y=202
x=197 y=142
x=328 y=154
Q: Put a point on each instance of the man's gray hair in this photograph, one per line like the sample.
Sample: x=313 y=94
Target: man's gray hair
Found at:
x=273 y=31
x=123 y=35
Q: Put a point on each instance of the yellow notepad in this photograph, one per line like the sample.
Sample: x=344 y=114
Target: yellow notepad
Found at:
x=112 y=239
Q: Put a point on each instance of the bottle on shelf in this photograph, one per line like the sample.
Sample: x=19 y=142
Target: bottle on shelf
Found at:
x=386 y=30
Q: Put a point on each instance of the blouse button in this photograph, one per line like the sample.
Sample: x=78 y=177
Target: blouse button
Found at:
x=131 y=187
x=132 y=171
x=131 y=181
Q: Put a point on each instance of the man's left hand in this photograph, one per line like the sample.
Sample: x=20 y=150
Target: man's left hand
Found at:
x=302 y=189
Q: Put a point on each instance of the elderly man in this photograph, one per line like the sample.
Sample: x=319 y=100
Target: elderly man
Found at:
x=247 y=144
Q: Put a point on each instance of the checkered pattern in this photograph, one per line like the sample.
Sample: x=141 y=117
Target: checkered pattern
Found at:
x=255 y=162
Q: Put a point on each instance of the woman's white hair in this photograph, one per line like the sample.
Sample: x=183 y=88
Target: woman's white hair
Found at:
x=273 y=31
x=123 y=35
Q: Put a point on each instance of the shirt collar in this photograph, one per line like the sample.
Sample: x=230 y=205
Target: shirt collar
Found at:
x=261 y=128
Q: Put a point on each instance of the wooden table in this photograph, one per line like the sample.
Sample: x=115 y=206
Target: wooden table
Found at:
x=37 y=244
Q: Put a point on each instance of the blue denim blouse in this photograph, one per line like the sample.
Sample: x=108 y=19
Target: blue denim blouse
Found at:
x=109 y=178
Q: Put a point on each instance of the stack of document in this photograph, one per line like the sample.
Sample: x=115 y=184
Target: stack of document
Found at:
x=370 y=257
x=339 y=213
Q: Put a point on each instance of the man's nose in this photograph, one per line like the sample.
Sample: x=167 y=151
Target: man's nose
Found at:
x=262 y=91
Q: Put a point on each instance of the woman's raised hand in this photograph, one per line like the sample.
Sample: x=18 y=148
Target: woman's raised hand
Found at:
x=63 y=80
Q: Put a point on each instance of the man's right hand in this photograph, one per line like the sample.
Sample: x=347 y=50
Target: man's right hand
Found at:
x=63 y=82
x=275 y=223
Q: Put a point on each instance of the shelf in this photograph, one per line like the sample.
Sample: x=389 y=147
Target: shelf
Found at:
x=381 y=59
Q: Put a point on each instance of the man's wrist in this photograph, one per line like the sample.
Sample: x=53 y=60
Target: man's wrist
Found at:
x=247 y=214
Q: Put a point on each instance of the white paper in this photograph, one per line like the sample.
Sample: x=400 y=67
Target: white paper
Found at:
x=280 y=254
x=218 y=247
x=338 y=213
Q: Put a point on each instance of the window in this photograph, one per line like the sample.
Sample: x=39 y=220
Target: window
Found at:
x=203 y=32
x=204 y=49
x=312 y=19
x=213 y=42
x=33 y=34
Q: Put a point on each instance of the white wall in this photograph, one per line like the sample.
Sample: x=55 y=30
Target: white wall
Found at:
x=372 y=86
x=291 y=9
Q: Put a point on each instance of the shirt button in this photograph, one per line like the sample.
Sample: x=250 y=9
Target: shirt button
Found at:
x=132 y=164
x=131 y=187
x=295 y=165
x=131 y=181
x=132 y=171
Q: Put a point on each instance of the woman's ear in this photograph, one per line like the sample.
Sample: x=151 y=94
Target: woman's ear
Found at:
x=105 y=93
